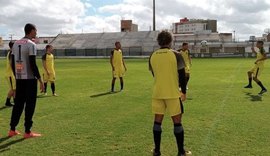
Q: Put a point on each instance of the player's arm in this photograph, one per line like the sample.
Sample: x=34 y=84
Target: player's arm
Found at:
x=124 y=63
x=33 y=65
x=44 y=64
x=150 y=66
x=262 y=59
x=111 y=60
x=12 y=62
x=253 y=49
x=182 y=80
x=189 y=58
x=181 y=75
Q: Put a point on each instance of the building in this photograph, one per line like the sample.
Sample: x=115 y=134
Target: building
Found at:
x=198 y=37
x=128 y=26
x=1 y=41
x=189 y=26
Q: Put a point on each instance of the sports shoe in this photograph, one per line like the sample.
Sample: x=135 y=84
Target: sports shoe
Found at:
x=54 y=94
x=45 y=94
x=31 y=135
x=187 y=153
x=156 y=153
x=9 y=104
x=262 y=91
x=248 y=86
x=12 y=133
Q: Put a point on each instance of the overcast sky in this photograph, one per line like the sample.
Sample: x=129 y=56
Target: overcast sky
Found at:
x=246 y=17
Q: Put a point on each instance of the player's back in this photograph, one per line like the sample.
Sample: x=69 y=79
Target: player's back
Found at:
x=163 y=63
x=185 y=55
x=21 y=50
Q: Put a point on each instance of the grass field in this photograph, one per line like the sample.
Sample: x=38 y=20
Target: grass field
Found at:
x=221 y=117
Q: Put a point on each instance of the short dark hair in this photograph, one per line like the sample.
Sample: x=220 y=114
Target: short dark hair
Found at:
x=184 y=44
x=28 y=28
x=117 y=42
x=164 y=38
x=48 y=46
x=260 y=42
x=10 y=44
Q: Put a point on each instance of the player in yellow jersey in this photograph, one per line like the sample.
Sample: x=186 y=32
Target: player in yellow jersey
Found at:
x=118 y=65
x=10 y=77
x=168 y=69
x=258 y=67
x=186 y=56
x=48 y=69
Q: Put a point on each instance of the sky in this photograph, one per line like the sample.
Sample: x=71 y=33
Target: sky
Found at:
x=245 y=17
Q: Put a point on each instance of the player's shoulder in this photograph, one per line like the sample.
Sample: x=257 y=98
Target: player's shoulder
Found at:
x=112 y=52
x=44 y=56
x=176 y=52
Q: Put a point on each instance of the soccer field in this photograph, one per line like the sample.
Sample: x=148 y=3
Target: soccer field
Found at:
x=221 y=117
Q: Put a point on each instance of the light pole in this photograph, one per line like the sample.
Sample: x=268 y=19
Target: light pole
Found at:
x=234 y=36
x=10 y=36
x=154 y=15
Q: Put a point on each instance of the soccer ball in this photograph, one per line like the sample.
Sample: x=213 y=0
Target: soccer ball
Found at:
x=204 y=43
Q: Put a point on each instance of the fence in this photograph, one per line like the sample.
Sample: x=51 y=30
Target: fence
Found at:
x=136 y=52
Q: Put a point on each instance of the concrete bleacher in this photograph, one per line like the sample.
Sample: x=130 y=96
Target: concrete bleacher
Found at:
x=100 y=44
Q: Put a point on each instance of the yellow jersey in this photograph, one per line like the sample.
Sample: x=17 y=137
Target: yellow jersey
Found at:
x=164 y=64
x=9 y=72
x=117 y=60
x=260 y=55
x=49 y=61
x=185 y=55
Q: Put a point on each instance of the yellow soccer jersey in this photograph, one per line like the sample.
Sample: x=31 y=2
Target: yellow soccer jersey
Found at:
x=9 y=72
x=164 y=64
x=117 y=60
x=49 y=61
x=185 y=55
x=260 y=54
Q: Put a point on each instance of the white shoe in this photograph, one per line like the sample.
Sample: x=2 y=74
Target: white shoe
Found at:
x=55 y=94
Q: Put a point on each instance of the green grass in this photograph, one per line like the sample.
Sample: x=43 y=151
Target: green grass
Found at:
x=221 y=118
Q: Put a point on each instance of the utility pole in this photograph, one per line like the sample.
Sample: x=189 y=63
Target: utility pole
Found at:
x=10 y=36
x=154 y=15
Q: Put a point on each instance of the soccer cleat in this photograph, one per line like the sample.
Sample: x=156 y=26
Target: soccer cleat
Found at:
x=187 y=153
x=45 y=94
x=54 y=94
x=9 y=104
x=156 y=153
x=262 y=91
x=248 y=86
x=31 y=135
x=12 y=133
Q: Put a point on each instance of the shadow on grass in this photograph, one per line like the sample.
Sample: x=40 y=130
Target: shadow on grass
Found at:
x=4 y=107
x=254 y=98
x=43 y=96
x=103 y=94
x=5 y=147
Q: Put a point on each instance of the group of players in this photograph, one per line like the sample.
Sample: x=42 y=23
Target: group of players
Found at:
x=170 y=69
x=22 y=74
